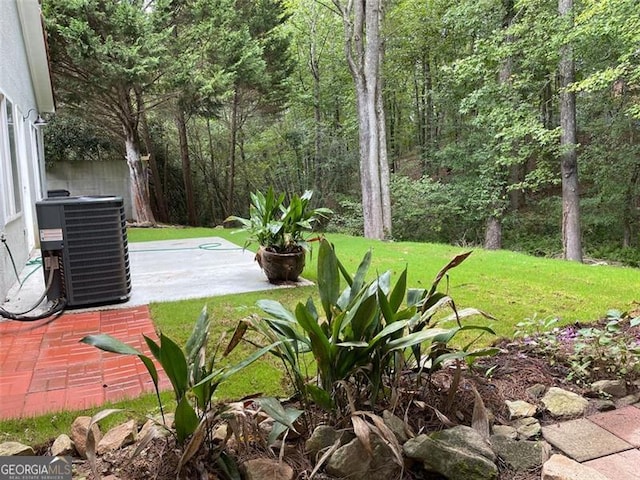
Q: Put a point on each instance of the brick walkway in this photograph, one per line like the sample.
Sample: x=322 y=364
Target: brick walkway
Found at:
x=44 y=368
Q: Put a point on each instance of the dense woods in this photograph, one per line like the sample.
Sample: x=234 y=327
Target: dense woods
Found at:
x=504 y=123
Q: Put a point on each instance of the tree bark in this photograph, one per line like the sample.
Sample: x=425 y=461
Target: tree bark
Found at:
x=493 y=228
x=181 y=126
x=493 y=234
x=158 y=190
x=137 y=173
x=139 y=185
x=365 y=53
x=231 y=166
x=571 y=240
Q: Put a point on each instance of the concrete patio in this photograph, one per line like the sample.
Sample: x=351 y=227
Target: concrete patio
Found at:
x=168 y=270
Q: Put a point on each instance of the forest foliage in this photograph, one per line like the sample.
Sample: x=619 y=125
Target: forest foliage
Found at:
x=234 y=96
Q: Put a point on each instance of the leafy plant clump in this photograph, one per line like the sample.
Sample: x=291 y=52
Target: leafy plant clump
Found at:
x=354 y=353
x=277 y=225
x=194 y=377
x=610 y=349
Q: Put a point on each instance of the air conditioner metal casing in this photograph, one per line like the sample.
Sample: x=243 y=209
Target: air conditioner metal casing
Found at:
x=85 y=240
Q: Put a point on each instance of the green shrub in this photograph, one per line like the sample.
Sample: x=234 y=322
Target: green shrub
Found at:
x=368 y=334
x=347 y=218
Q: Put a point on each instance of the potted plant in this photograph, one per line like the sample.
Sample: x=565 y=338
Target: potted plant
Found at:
x=280 y=228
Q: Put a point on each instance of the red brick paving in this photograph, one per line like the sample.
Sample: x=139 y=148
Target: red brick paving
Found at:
x=44 y=368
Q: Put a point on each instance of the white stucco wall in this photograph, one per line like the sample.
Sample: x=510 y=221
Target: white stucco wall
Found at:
x=15 y=79
x=92 y=178
x=16 y=85
x=22 y=55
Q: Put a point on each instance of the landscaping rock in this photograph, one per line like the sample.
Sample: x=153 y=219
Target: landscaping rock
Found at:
x=267 y=469
x=559 y=467
x=615 y=388
x=604 y=405
x=118 y=437
x=536 y=391
x=459 y=453
x=396 y=425
x=354 y=462
x=323 y=437
x=79 y=429
x=562 y=403
x=220 y=433
x=520 y=409
x=349 y=461
x=62 y=446
x=527 y=428
x=15 y=449
x=521 y=455
x=628 y=400
x=159 y=429
x=505 y=431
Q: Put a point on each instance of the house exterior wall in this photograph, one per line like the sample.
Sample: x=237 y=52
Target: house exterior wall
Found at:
x=22 y=99
x=110 y=177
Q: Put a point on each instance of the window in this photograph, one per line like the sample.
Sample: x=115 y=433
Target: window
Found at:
x=9 y=162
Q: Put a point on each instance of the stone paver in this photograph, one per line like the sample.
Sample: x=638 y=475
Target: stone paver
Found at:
x=559 y=467
x=620 y=466
x=583 y=440
x=623 y=423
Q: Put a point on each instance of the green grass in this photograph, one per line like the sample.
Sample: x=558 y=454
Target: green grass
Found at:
x=510 y=286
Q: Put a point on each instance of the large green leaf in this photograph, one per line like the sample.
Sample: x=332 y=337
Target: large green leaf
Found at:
x=385 y=307
x=388 y=331
x=320 y=397
x=198 y=338
x=186 y=421
x=360 y=276
x=222 y=374
x=174 y=364
x=415 y=296
x=284 y=417
x=397 y=295
x=362 y=317
x=460 y=355
x=276 y=310
x=328 y=278
x=109 y=344
x=446 y=336
x=414 y=339
x=322 y=349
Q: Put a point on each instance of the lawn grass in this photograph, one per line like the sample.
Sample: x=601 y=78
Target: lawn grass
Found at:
x=510 y=286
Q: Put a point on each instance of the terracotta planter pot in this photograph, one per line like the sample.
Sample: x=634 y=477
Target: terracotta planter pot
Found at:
x=281 y=267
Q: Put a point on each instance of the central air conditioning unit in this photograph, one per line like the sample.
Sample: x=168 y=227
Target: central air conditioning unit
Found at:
x=84 y=242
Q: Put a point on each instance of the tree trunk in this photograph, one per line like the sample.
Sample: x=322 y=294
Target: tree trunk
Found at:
x=364 y=52
x=231 y=169
x=571 y=241
x=158 y=190
x=139 y=185
x=493 y=234
x=181 y=126
x=493 y=228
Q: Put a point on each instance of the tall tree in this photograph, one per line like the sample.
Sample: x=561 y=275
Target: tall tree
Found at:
x=101 y=54
x=571 y=238
x=364 y=50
